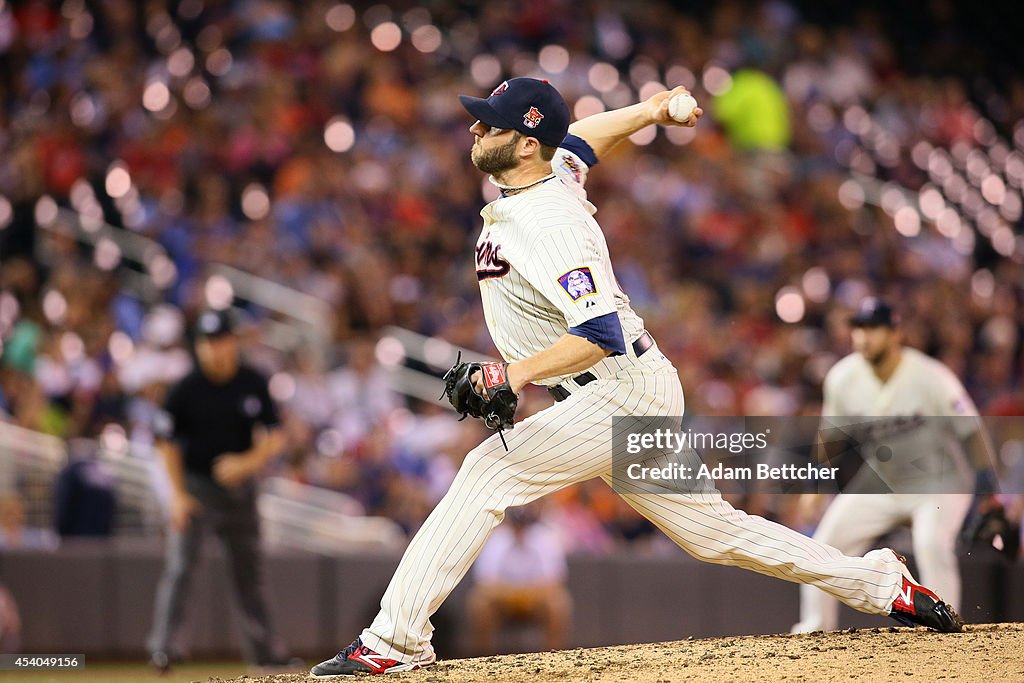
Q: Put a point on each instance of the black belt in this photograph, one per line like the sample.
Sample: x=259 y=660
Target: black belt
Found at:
x=640 y=346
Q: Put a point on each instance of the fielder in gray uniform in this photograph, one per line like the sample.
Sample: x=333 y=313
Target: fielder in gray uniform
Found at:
x=559 y=319
x=924 y=461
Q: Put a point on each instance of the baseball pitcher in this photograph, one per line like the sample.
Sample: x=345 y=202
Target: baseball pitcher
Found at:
x=559 y=319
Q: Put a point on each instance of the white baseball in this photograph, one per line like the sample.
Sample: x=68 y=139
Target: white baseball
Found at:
x=681 y=106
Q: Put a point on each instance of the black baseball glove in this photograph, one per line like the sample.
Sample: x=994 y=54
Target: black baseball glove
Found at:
x=989 y=526
x=497 y=409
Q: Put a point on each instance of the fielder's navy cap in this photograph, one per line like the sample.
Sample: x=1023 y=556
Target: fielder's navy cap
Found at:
x=873 y=312
x=528 y=105
x=214 y=324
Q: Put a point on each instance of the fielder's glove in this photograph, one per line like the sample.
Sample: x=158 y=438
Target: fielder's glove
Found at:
x=989 y=526
x=497 y=409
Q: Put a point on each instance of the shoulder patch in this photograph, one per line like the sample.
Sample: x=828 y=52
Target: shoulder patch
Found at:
x=571 y=168
x=578 y=283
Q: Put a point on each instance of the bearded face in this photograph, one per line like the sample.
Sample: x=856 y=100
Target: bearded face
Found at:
x=875 y=343
x=496 y=160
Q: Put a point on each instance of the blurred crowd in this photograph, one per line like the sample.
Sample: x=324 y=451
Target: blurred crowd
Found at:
x=321 y=145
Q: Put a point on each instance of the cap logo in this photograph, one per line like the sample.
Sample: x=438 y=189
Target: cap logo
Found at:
x=500 y=89
x=532 y=118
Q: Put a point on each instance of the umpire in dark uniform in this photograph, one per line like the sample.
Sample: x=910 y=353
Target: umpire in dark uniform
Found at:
x=218 y=430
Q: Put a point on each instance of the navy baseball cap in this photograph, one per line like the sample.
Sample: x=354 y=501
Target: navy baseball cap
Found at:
x=214 y=324
x=531 y=106
x=873 y=312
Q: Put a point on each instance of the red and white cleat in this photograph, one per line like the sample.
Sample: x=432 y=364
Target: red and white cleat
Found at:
x=357 y=659
x=915 y=605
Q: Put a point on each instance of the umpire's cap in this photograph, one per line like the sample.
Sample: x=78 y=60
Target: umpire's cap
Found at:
x=211 y=324
x=874 y=312
x=531 y=106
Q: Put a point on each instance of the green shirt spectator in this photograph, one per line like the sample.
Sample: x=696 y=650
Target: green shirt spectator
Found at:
x=754 y=112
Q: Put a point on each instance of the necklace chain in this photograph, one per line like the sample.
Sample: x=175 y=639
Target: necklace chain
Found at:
x=509 y=188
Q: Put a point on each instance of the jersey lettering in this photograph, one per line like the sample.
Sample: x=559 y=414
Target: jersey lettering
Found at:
x=489 y=263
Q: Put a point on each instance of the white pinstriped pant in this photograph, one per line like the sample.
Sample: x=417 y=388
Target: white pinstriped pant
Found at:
x=570 y=442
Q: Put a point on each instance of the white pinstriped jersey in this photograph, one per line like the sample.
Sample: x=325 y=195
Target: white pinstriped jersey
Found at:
x=543 y=266
x=926 y=451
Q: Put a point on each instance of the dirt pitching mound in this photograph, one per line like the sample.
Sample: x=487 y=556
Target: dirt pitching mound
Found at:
x=982 y=653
